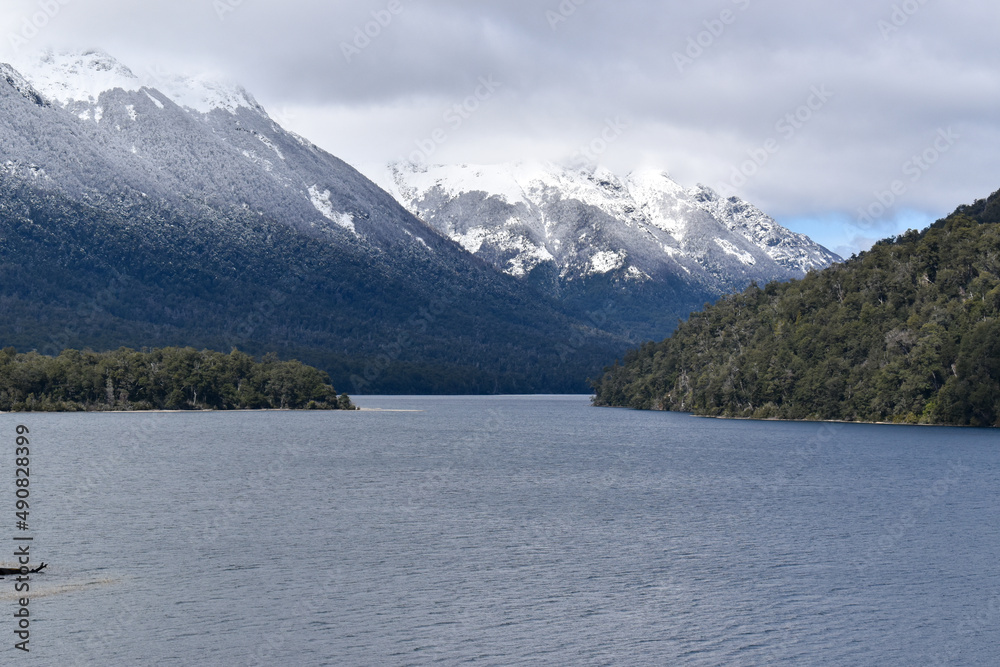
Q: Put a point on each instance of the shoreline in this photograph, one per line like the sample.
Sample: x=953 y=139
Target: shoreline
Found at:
x=792 y=421
x=194 y=412
x=824 y=421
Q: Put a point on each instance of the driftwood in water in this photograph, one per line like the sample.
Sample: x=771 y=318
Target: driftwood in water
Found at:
x=6 y=571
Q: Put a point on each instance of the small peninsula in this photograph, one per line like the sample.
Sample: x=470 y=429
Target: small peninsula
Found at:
x=169 y=378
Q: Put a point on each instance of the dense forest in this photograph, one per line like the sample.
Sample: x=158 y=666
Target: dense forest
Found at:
x=161 y=379
x=906 y=332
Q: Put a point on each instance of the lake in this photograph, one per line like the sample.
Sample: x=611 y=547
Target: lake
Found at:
x=504 y=531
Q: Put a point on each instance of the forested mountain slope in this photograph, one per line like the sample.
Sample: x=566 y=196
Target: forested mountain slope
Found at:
x=176 y=212
x=907 y=332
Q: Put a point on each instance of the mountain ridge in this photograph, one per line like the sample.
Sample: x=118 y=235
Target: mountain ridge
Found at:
x=587 y=236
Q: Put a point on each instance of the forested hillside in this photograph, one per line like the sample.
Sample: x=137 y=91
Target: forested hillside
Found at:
x=170 y=378
x=907 y=332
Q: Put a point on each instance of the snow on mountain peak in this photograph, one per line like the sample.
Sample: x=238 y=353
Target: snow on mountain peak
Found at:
x=646 y=186
x=513 y=182
x=75 y=76
x=82 y=76
x=204 y=92
x=506 y=181
x=591 y=222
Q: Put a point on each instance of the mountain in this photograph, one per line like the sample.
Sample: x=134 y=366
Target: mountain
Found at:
x=160 y=210
x=907 y=332
x=637 y=253
x=190 y=142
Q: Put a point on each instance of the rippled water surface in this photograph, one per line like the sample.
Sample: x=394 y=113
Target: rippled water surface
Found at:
x=506 y=531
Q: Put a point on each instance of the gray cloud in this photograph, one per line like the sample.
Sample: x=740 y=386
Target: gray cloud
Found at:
x=899 y=71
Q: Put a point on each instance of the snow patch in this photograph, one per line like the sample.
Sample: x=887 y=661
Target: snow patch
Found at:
x=530 y=256
x=633 y=273
x=33 y=170
x=730 y=249
x=321 y=200
x=606 y=261
x=157 y=102
x=256 y=159
x=472 y=240
x=131 y=111
x=270 y=144
x=418 y=239
x=527 y=255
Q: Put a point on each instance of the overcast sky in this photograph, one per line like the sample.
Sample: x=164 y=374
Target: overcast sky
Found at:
x=848 y=121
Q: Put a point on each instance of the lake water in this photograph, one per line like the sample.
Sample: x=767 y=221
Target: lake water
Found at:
x=504 y=531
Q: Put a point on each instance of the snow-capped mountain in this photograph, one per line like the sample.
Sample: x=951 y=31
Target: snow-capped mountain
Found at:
x=174 y=210
x=641 y=248
x=193 y=139
x=639 y=228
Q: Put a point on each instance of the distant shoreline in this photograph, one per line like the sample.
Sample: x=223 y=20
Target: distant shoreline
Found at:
x=182 y=412
x=791 y=421
x=824 y=421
